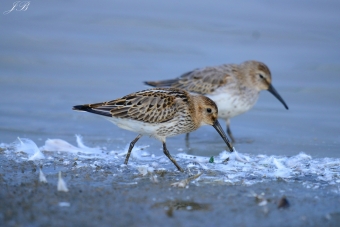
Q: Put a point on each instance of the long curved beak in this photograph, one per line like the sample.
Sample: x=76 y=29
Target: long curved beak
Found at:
x=220 y=131
x=272 y=90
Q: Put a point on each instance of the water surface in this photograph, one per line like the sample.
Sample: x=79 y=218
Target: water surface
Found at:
x=57 y=54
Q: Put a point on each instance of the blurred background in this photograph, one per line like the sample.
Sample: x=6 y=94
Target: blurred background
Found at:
x=56 y=54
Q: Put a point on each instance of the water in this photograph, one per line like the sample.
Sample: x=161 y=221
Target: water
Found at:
x=230 y=168
x=58 y=54
x=55 y=56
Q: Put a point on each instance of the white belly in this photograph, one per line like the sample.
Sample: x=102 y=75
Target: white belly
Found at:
x=232 y=105
x=140 y=127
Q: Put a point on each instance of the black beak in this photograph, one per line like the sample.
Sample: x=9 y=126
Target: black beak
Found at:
x=272 y=90
x=220 y=131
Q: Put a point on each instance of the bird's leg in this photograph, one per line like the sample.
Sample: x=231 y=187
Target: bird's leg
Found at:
x=166 y=152
x=130 y=148
x=230 y=134
x=187 y=142
x=187 y=137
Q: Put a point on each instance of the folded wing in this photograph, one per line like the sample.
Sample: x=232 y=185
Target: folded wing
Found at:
x=152 y=106
x=202 y=81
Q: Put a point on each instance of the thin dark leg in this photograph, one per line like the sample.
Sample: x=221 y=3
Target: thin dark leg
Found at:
x=230 y=134
x=187 y=142
x=130 y=148
x=166 y=152
x=187 y=137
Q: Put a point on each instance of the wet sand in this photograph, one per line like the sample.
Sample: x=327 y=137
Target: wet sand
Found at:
x=108 y=197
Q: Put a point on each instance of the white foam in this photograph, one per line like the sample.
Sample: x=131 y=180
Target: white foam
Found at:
x=232 y=168
x=42 y=177
x=63 y=146
x=154 y=179
x=249 y=169
x=64 y=204
x=62 y=187
x=85 y=149
x=29 y=147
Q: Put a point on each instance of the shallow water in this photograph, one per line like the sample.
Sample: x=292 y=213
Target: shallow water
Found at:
x=229 y=168
x=58 y=54
x=237 y=188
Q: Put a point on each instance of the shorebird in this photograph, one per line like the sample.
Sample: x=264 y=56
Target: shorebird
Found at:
x=234 y=88
x=159 y=113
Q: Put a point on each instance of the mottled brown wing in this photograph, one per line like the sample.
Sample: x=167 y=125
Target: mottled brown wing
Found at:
x=152 y=106
x=202 y=81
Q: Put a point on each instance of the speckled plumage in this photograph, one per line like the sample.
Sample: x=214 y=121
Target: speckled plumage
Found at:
x=234 y=88
x=159 y=113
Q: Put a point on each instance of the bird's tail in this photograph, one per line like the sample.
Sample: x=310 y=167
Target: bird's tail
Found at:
x=93 y=109
x=81 y=108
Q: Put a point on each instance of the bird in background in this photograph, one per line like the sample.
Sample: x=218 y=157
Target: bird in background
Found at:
x=159 y=113
x=235 y=88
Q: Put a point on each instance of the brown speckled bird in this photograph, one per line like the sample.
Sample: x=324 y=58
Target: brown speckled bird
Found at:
x=159 y=113
x=234 y=88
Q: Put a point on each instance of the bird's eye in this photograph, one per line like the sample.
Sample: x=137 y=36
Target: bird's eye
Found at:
x=209 y=110
x=262 y=77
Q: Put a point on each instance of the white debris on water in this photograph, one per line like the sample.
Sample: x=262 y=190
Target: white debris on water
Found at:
x=61 y=184
x=30 y=148
x=263 y=203
x=145 y=169
x=154 y=178
x=85 y=149
x=64 y=204
x=180 y=184
x=238 y=157
x=63 y=146
x=248 y=169
x=230 y=168
x=139 y=153
x=59 y=145
x=42 y=177
x=184 y=183
x=154 y=164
